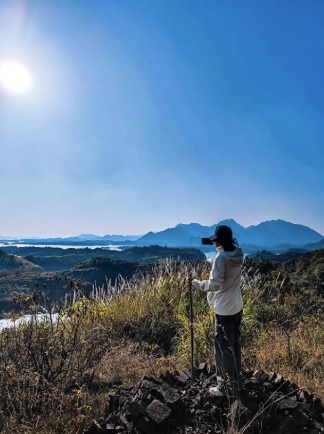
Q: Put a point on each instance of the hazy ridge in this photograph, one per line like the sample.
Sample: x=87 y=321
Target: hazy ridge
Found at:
x=277 y=234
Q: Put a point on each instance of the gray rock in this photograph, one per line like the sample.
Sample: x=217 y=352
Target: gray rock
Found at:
x=268 y=404
x=158 y=412
x=260 y=375
x=133 y=411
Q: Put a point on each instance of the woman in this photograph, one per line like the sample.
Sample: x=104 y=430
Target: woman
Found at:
x=225 y=299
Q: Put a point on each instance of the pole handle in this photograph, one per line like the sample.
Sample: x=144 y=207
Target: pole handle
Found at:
x=191 y=331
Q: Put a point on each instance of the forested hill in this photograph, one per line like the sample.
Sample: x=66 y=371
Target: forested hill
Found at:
x=58 y=259
x=11 y=263
x=301 y=273
x=57 y=273
x=307 y=270
x=99 y=270
x=267 y=255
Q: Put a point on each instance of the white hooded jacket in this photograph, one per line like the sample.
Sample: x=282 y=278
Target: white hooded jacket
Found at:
x=223 y=287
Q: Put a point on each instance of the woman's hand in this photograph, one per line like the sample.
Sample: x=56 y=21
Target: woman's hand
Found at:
x=195 y=283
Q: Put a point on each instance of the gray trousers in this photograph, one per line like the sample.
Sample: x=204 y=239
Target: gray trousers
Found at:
x=228 y=349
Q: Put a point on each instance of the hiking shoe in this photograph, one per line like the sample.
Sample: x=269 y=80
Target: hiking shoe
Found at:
x=216 y=391
x=220 y=381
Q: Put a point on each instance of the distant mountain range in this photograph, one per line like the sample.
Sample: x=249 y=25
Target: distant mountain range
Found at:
x=92 y=237
x=278 y=234
x=270 y=234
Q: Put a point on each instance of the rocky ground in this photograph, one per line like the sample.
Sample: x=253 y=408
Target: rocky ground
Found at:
x=268 y=404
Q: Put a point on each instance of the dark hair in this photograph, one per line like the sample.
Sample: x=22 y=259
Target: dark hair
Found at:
x=224 y=236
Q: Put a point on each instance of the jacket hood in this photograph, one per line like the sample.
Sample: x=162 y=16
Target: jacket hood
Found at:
x=234 y=258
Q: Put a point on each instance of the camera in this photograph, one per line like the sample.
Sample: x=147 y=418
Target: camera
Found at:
x=206 y=241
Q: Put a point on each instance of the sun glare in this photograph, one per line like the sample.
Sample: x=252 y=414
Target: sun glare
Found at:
x=15 y=77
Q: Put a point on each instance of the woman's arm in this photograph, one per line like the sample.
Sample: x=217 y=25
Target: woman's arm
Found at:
x=216 y=277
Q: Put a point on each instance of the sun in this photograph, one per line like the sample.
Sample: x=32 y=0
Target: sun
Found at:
x=15 y=77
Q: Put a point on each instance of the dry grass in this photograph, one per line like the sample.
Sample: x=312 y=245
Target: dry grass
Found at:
x=55 y=378
x=303 y=363
x=129 y=362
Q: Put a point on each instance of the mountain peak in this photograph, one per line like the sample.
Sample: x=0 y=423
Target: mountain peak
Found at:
x=236 y=227
x=227 y=221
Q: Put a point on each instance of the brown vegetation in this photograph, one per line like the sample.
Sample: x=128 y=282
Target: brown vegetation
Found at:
x=55 y=376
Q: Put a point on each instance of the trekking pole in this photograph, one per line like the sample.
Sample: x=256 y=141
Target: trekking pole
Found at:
x=191 y=330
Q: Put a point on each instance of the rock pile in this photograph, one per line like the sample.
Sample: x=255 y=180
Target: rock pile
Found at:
x=170 y=404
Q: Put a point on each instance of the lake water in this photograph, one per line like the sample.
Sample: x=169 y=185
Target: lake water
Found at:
x=62 y=246
x=7 y=322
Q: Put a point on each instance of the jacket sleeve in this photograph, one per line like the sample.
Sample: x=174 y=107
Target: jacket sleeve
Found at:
x=216 y=277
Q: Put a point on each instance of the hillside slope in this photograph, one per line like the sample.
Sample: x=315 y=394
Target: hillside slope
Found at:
x=12 y=262
x=58 y=259
x=307 y=270
x=97 y=270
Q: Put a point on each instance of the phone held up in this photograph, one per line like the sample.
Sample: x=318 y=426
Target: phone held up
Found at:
x=206 y=241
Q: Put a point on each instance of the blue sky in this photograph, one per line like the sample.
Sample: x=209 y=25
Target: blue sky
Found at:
x=144 y=114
